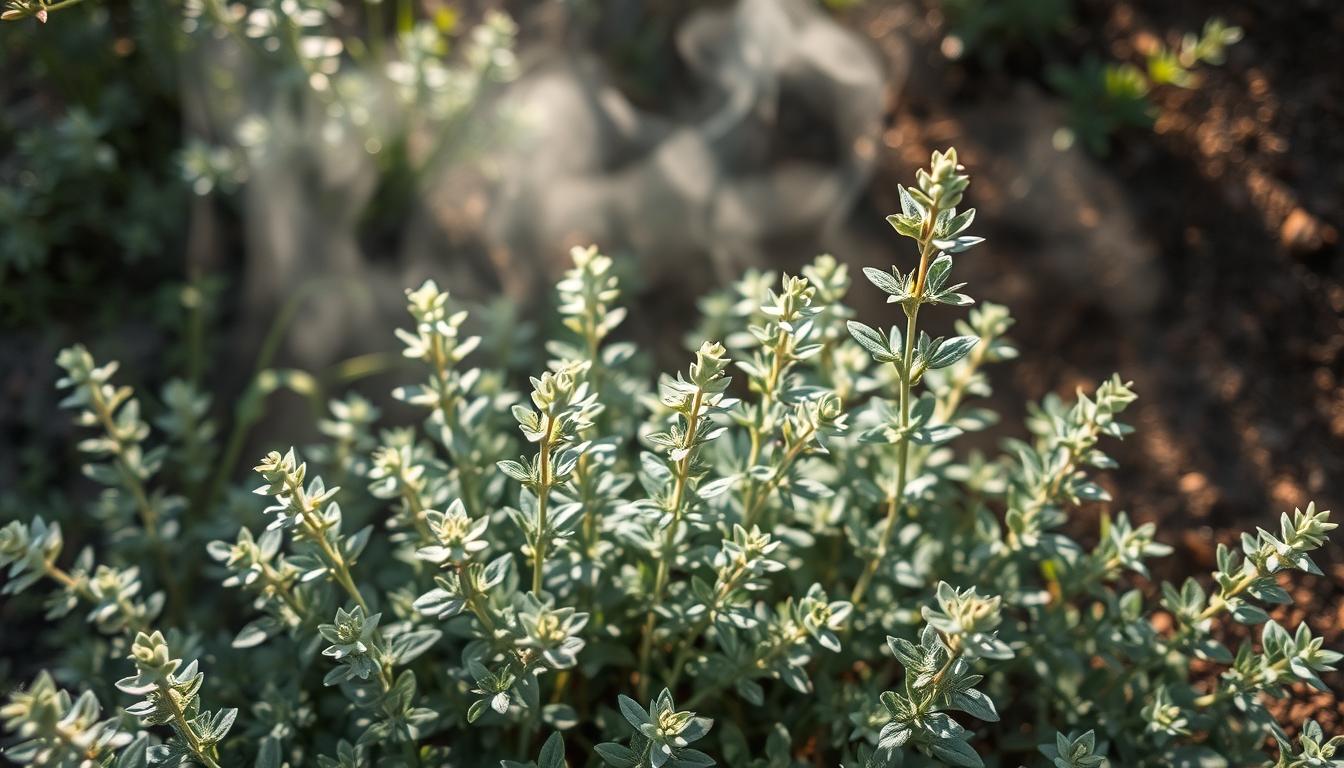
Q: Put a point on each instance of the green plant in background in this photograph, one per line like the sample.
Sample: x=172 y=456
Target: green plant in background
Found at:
x=467 y=598
x=93 y=173
x=80 y=184
x=1167 y=66
x=1102 y=99
x=1106 y=98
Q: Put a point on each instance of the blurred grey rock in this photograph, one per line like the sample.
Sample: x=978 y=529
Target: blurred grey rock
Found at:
x=704 y=178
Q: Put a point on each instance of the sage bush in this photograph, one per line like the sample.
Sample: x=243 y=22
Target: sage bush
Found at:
x=776 y=556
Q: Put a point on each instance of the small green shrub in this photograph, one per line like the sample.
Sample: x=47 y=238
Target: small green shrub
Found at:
x=776 y=557
x=1103 y=97
x=1106 y=98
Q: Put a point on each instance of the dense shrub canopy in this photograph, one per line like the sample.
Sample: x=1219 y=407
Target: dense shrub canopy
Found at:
x=778 y=556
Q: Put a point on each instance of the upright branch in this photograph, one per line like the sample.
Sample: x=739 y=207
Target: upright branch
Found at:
x=1051 y=472
x=171 y=697
x=116 y=412
x=672 y=482
x=789 y=418
x=366 y=655
x=563 y=409
x=587 y=296
x=929 y=217
x=829 y=277
x=308 y=511
x=396 y=473
x=438 y=341
x=118 y=458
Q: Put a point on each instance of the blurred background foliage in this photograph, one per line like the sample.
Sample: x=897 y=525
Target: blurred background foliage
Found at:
x=183 y=185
